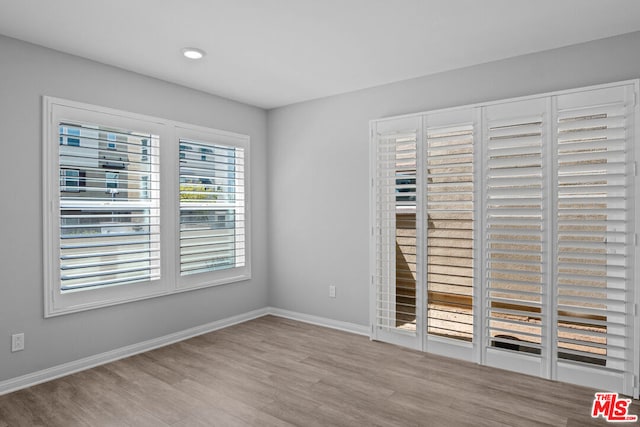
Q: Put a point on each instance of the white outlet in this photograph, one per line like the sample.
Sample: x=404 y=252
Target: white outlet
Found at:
x=17 y=342
x=332 y=291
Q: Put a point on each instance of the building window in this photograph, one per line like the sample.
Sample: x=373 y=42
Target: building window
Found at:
x=69 y=180
x=103 y=235
x=111 y=137
x=111 y=179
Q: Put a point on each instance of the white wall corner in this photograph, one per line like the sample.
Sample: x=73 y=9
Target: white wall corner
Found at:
x=38 y=377
x=49 y=374
x=353 y=328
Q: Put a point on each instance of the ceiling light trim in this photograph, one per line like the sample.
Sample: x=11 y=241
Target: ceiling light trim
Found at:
x=193 y=53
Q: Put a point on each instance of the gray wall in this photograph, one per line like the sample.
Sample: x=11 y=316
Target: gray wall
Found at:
x=26 y=73
x=312 y=229
x=318 y=164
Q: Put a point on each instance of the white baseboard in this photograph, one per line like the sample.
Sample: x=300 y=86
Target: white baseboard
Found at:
x=320 y=321
x=58 y=371
x=54 y=372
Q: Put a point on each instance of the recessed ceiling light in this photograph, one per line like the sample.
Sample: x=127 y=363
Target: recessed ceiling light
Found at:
x=193 y=52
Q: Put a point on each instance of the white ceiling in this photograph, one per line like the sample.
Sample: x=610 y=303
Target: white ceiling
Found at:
x=272 y=53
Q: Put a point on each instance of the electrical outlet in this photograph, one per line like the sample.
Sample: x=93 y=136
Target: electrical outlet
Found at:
x=332 y=291
x=17 y=342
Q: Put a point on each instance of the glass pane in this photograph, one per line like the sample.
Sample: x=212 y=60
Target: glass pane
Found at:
x=450 y=232
x=592 y=236
x=211 y=207
x=516 y=247
x=109 y=207
x=406 y=252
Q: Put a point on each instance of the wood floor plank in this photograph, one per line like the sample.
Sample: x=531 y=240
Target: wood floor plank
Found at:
x=107 y=402
x=15 y=411
x=55 y=403
x=211 y=395
x=277 y=372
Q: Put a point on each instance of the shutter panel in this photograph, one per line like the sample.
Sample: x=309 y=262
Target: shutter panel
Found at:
x=449 y=206
x=515 y=217
x=593 y=240
x=212 y=207
x=395 y=232
x=109 y=206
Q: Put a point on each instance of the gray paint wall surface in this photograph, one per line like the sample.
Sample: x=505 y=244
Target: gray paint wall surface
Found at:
x=27 y=72
x=319 y=165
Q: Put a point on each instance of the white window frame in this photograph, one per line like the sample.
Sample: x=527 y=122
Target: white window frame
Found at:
x=56 y=302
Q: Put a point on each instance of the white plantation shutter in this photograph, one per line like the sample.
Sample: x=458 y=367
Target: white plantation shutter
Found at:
x=109 y=206
x=396 y=234
x=593 y=239
x=450 y=214
x=212 y=207
x=522 y=235
x=515 y=222
x=136 y=207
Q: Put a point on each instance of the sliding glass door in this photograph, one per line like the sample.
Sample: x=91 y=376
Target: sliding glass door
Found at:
x=397 y=302
x=450 y=174
x=505 y=234
x=516 y=214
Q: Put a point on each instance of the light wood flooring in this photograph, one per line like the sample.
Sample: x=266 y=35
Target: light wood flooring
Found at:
x=278 y=372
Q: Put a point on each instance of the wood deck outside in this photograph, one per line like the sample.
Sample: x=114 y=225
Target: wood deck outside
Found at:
x=450 y=286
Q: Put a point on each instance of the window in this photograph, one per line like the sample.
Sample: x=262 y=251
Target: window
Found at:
x=213 y=206
x=108 y=235
x=505 y=233
x=112 y=221
x=70 y=180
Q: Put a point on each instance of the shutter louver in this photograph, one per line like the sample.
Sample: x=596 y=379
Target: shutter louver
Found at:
x=395 y=220
x=592 y=234
x=515 y=244
x=109 y=207
x=449 y=206
x=212 y=207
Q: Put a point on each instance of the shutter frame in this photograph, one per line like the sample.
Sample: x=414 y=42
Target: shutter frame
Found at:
x=222 y=144
x=450 y=214
x=107 y=213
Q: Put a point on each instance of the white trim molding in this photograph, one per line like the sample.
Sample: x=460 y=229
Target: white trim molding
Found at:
x=49 y=374
x=74 y=279
x=353 y=328
x=38 y=377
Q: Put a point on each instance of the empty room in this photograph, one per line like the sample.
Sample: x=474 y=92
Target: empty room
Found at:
x=319 y=213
